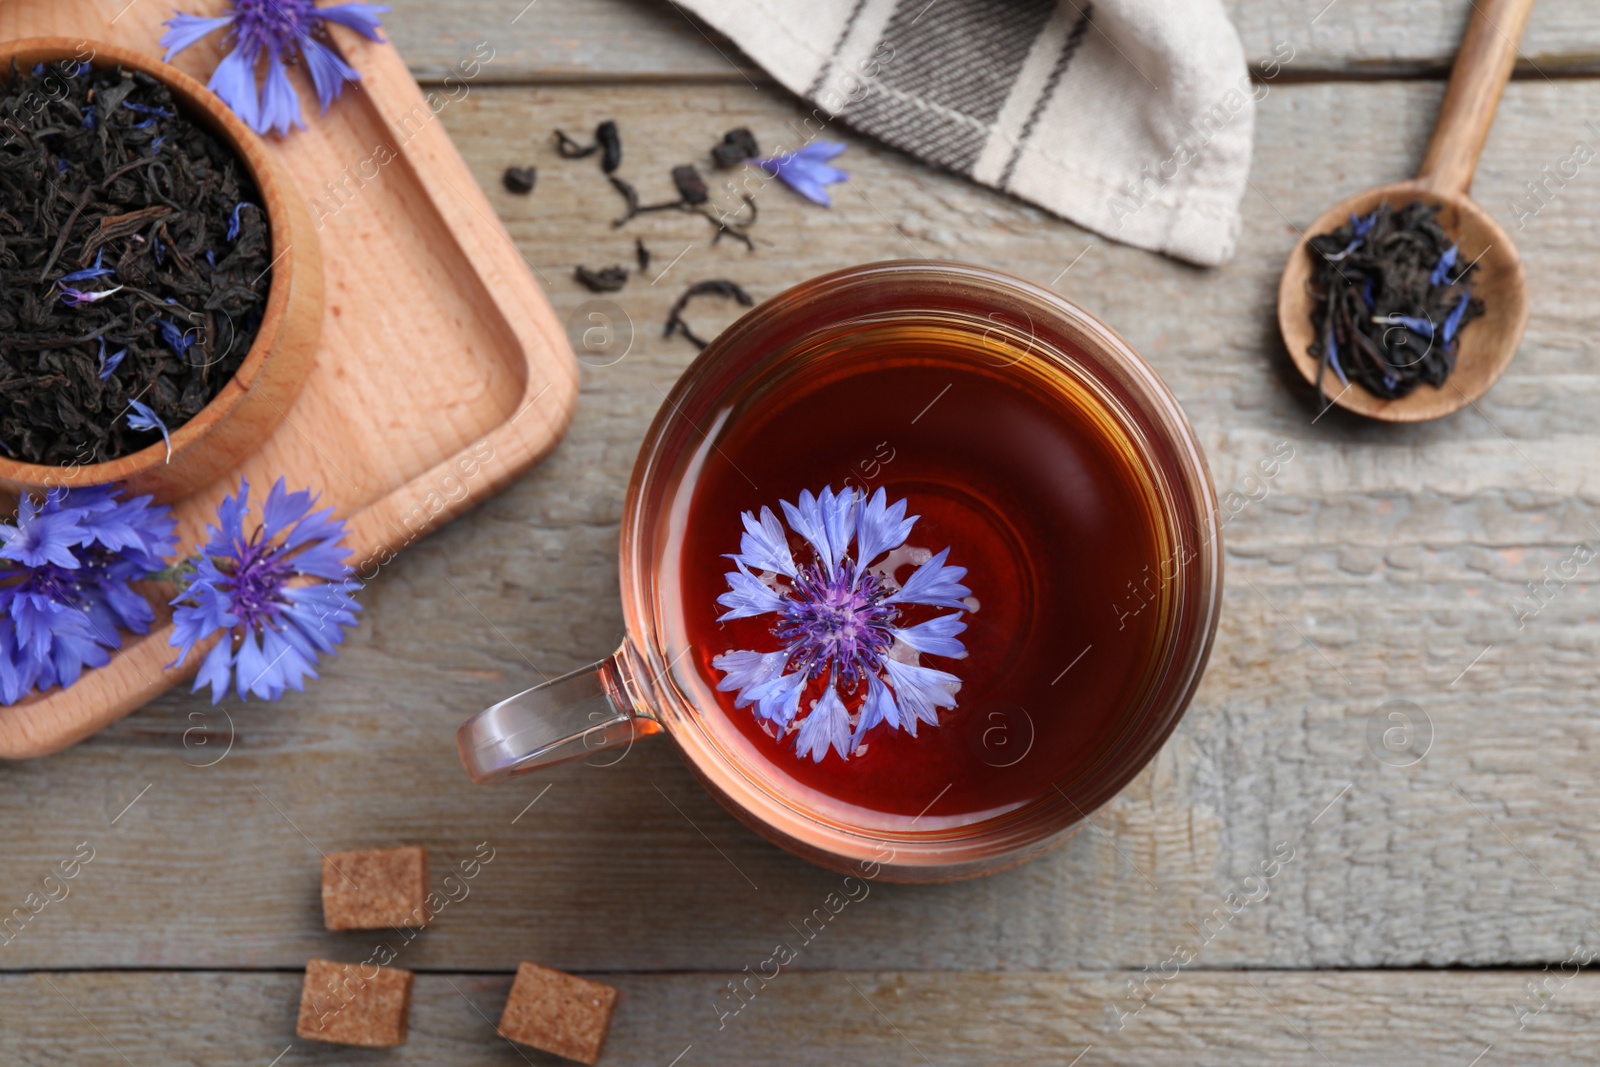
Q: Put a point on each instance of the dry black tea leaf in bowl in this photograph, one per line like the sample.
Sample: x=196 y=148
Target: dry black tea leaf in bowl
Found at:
x=135 y=263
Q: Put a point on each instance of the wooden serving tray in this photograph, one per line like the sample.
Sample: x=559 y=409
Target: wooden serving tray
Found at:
x=441 y=375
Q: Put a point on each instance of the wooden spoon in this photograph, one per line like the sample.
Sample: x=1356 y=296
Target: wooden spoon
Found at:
x=1487 y=345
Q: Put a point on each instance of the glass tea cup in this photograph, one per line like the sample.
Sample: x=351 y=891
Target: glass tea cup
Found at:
x=1028 y=340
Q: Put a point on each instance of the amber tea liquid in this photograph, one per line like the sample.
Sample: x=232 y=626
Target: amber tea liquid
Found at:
x=1017 y=467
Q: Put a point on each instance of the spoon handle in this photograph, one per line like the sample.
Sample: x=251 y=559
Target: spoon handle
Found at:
x=1483 y=66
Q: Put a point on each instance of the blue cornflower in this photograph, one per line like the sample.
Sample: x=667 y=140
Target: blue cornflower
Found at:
x=1441 y=269
x=65 y=570
x=839 y=622
x=233 y=220
x=146 y=109
x=77 y=297
x=275 y=625
x=1362 y=225
x=1422 y=327
x=1330 y=344
x=807 y=171
x=275 y=28
x=109 y=364
x=178 y=340
x=90 y=273
x=142 y=416
x=1452 y=322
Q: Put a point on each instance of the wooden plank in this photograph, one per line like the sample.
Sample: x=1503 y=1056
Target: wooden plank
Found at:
x=816 y=1017
x=556 y=40
x=1382 y=564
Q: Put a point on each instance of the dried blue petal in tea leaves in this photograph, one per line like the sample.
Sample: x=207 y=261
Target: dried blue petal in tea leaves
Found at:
x=1391 y=300
x=120 y=230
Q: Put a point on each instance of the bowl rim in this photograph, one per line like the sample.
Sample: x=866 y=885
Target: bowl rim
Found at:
x=204 y=107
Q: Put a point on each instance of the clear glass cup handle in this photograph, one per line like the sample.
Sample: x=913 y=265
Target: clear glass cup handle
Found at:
x=568 y=718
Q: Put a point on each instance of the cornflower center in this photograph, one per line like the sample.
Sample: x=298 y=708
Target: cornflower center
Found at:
x=837 y=621
x=273 y=22
x=258 y=579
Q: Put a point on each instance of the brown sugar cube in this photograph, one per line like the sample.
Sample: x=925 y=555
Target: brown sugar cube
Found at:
x=375 y=889
x=354 y=1004
x=558 y=1012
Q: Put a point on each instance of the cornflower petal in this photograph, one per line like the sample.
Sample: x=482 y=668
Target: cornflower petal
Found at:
x=805 y=171
x=253 y=673
x=290 y=666
x=934 y=584
x=227 y=536
x=746 y=670
x=282 y=508
x=78 y=297
x=1420 y=326
x=129 y=610
x=321 y=613
x=879 y=706
x=880 y=527
x=216 y=670
x=920 y=691
x=317 y=526
x=1441 y=270
x=778 y=698
x=200 y=611
x=764 y=546
x=328 y=71
x=186 y=30
x=324 y=559
x=109 y=364
x=280 y=104
x=363 y=18
x=747 y=595
x=936 y=637
x=1453 y=322
x=42 y=537
x=826 y=726
x=838 y=519
x=90 y=273
x=825 y=521
x=142 y=417
x=234 y=82
x=805 y=519
x=234 y=222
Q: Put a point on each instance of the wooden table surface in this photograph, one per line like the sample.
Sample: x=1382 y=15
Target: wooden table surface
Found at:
x=1430 y=912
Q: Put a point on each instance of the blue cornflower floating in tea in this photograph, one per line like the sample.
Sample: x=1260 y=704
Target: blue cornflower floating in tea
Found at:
x=807 y=171
x=281 y=595
x=840 y=621
x=276 y=29
x=65 y=570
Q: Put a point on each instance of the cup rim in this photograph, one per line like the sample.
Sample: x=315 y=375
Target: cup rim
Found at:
x=969 y=850
x=203 y=107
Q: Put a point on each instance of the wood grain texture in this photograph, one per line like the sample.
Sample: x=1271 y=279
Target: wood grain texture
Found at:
x=1197 y=1019
x=612 y=40
x=440 y=375
x=1380 y=563
x=1483 y=66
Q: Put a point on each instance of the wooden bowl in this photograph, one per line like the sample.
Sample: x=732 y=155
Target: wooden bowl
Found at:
x=1487 y=344
x=255 y=400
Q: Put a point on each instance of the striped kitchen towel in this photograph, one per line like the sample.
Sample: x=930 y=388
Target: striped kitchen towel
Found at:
x=1132 y=118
